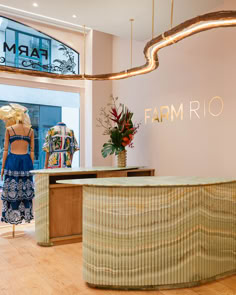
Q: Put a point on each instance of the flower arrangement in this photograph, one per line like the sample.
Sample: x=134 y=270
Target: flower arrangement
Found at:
x=116 y=119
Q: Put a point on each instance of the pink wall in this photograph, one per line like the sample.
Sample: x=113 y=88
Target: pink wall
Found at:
x=197 y=68
x=102 y=63
x=99 y=60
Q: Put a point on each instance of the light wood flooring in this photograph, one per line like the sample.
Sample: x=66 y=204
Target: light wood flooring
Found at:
x=28 y=269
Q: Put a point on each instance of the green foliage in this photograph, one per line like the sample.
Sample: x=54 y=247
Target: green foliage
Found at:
x=109 y=149
x=116 y=137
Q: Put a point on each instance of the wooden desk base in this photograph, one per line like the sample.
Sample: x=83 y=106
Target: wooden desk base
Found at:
x=58 y=214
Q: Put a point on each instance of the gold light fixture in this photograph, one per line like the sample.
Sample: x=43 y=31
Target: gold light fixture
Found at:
x=188 y=28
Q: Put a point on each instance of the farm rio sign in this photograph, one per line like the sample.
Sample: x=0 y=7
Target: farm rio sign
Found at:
x=25 y=51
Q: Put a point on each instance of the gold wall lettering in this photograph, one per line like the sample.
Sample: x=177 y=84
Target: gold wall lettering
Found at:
x=210 y=105
x=195 y=110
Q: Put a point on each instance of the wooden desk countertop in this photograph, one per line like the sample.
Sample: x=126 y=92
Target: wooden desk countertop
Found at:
x=83 y=169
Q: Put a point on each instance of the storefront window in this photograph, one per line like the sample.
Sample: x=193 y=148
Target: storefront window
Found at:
x=26 y=48
x=39 y=120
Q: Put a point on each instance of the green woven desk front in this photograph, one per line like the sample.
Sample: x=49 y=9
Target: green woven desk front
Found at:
x=155 y=236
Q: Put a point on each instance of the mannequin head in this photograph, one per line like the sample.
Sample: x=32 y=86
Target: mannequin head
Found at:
x=15 y=114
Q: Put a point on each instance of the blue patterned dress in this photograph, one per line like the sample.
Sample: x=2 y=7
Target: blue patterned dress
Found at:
x=18 y=187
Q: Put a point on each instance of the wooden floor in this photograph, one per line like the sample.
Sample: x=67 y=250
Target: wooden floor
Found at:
x=28 y=269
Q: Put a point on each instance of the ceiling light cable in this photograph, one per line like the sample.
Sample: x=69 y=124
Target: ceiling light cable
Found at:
x=84 y=51
x=172 y=14
x=153 y=8
x=131 y=42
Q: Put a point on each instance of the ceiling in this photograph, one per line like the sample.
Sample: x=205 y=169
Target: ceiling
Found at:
x=111 y=16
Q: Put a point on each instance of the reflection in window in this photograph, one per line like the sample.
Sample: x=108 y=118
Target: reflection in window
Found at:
x=2 y=135
x=30 y=51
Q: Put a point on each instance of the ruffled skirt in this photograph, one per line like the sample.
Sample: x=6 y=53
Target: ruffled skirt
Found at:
x=18 y=189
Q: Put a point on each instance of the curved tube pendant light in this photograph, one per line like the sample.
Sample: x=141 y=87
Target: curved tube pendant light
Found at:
x=188 y=28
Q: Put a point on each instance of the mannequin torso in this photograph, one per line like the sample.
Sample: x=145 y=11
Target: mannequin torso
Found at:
x=20 y=146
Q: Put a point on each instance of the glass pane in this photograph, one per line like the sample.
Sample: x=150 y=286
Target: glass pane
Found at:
x=36 y=142
x=28 y=51
x=34 y=117
x=2 y=135
x=9 y=54
x=45 y=58
x=27 y=44
x=65 y=61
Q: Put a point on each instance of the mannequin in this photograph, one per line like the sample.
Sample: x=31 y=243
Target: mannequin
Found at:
x=18 y=188
x=60 y=145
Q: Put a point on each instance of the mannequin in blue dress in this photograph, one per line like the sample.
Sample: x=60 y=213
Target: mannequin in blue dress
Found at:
x=18 y=187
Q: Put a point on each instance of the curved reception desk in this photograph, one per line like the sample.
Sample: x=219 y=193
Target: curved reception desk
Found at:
x=158 y=232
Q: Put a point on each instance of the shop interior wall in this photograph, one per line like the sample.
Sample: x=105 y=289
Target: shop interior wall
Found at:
x=196 y=69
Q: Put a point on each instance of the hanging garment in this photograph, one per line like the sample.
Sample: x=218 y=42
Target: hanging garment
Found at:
x=61 y=144
x=18 y=186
